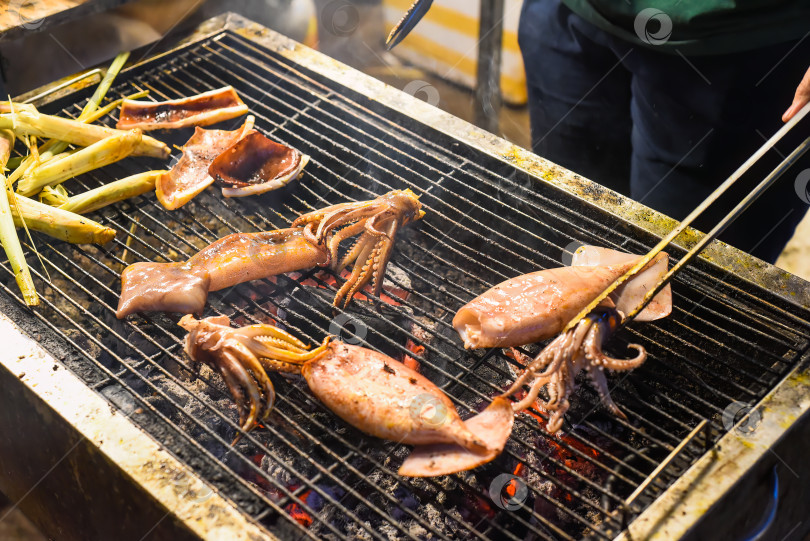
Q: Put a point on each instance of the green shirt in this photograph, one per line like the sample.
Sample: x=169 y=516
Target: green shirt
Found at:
x=696 y=27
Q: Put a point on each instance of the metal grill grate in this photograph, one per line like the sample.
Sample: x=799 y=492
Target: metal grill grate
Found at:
x=307 y=473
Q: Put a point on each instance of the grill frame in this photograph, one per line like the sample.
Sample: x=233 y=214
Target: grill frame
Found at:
x=756 y=272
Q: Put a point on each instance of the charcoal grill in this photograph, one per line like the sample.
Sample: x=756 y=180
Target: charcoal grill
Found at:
x=113 y=432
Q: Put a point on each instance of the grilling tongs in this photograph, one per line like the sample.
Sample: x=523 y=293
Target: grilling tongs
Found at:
x=711 y=235
x=408 y=22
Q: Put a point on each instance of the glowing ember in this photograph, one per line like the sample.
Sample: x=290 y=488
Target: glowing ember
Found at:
x=416 y=349
x=512 y=486
x=301 y=517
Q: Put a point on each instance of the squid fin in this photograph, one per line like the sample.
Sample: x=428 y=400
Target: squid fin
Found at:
x=493 y=426
x=629 y=295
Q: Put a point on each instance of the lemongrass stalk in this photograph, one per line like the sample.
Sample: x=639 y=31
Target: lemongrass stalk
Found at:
x=52 y=146
x=91 y=111
x=97 y=155
x=18 y=173
x=7 y=106
x=31 y=122
x=60 y=224
x=8 y=233
x=112 y=192
x=102 y=88
x=53 y=197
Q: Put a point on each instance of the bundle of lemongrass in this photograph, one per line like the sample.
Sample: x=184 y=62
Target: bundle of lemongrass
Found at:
x=41 y=171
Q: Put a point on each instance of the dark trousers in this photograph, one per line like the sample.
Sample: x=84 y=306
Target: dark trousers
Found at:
x=664 y=128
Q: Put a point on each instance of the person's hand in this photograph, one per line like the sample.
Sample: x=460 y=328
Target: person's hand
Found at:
x=800 y=99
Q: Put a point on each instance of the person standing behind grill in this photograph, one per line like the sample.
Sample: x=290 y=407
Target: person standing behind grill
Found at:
x=663 y=100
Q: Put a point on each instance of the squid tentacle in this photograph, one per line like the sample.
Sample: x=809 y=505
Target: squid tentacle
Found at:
x=358 y=278
x=619 y=365
x=377 y=229
x=533 y=395
x=232 y=382
x=280 y=366
x=247 y=420
x=353 y=253
x=600 y=383
x=342 y=235
x=343 y=216
x=244 y=356
x=309 y=234
x=556 y=366
x=264 y=331
x=379 y=220
x=386 y=249
x=555 y=420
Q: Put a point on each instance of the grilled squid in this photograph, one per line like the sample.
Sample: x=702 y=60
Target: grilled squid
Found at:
x=189 y=176
x=537 y=306
x=255 y=164
x=241 y=257
x=200 y=110
x=367 y=389
x=561 y=360
x=378 y=221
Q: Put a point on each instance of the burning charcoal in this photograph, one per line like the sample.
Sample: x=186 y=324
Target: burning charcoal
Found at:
x=406 y=499
x=363 y=327
x=173 y=391
x=396 y=281
x=440 y=338
x=277 y=471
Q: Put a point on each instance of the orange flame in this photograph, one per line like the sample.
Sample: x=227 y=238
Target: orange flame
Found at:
x=416 y=349
x=511 y=487
x=298 y=514
x=390 y=295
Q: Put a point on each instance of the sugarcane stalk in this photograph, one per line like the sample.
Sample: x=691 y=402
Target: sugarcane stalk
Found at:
x=31 y=122
x=97 y=155
x=53 y=148
x=8 y=233
x=112 y=192
x=59 y=223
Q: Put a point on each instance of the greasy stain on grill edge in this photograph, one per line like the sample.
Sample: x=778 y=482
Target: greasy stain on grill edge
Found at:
x=306 y=473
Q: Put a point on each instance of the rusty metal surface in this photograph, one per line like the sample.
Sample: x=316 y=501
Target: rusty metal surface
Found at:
x=679 y=511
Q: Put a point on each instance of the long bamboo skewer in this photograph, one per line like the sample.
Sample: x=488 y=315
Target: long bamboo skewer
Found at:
x=697 y=212
x=721 y=226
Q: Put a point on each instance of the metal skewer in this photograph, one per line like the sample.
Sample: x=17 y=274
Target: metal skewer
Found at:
x=720 y=227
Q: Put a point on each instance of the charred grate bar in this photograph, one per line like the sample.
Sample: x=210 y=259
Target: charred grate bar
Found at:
x=307 y=474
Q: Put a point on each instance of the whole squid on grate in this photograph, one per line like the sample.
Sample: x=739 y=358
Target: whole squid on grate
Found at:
x=240 y=257
x=537 y=306
x=369 y=390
